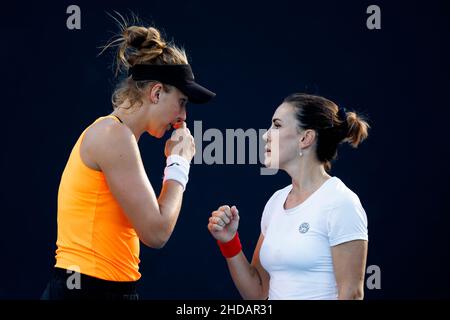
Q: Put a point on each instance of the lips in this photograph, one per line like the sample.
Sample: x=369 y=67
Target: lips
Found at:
x=178 y=124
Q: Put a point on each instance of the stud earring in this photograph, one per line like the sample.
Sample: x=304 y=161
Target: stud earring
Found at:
x=300 y=153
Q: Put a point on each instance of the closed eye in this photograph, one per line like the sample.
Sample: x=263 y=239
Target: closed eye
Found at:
x=276 y=123
x=183 y=102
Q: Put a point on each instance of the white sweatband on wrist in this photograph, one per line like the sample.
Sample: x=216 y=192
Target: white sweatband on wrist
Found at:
x=177 y=168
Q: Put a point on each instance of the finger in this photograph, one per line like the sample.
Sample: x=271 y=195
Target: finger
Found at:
x=221 y=215
x=228 y=213
x=211 y=227
x=214 y=227
x=221 y=221
x=234 y=213
x=212 y=220
x=215 y=213
x=215 y=219
x=226 y=209
x=175 y=134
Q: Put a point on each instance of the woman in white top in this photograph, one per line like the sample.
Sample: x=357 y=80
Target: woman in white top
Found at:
x=313 y=242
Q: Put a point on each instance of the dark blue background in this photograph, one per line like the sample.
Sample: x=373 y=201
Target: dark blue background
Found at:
x=252 y=55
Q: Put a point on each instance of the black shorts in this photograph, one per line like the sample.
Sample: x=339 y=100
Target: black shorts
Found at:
x=62 y=287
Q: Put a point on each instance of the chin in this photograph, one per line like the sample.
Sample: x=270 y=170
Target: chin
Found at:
x=268 y=163
x=157 y=134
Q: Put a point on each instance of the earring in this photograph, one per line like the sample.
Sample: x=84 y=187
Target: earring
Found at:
x=300 y=153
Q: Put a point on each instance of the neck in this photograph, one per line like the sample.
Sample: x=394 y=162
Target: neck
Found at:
x=307 y=175
x=133 y=118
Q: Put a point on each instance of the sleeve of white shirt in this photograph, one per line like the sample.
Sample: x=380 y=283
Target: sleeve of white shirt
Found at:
x=347 y=222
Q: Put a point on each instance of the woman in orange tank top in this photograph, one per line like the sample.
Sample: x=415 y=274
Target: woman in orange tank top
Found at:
x=106 y=204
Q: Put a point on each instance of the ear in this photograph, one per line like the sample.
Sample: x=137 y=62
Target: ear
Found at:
x=307 y=138
x=155 y=92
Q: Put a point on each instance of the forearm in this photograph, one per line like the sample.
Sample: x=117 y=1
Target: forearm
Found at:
x=169 y=201
x=349 y=262
x=176 y=176
x=245 y=277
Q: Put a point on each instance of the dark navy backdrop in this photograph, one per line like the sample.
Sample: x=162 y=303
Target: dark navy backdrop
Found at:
x=252 y=55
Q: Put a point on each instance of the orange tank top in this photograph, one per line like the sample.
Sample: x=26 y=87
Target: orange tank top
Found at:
x=94 y=235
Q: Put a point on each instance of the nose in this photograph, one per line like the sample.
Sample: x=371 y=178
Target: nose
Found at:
x=266 y=136
x=182 y=116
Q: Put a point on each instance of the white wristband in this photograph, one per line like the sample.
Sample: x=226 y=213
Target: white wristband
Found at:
x=177 y=168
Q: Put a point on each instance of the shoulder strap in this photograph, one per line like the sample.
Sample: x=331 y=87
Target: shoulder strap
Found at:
x=115 y=117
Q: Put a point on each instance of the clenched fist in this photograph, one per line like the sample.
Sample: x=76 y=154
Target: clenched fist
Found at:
x=223 y=223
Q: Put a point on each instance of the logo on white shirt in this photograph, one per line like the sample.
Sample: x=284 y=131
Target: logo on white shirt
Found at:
x=304 y=227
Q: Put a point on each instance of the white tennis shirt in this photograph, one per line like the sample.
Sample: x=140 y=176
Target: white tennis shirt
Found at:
x=296 y=251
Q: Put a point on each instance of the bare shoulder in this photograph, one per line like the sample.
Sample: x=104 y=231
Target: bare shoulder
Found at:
x=109 y=130
x=106 y=140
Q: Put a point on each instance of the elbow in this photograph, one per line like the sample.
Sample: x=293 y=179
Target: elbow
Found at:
x=155 y=244
x=355 y=293
x=254 y=297
x=256 y=291
x=358 y=295
x=156 y=239
x=156 y=232
x=159 y=245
